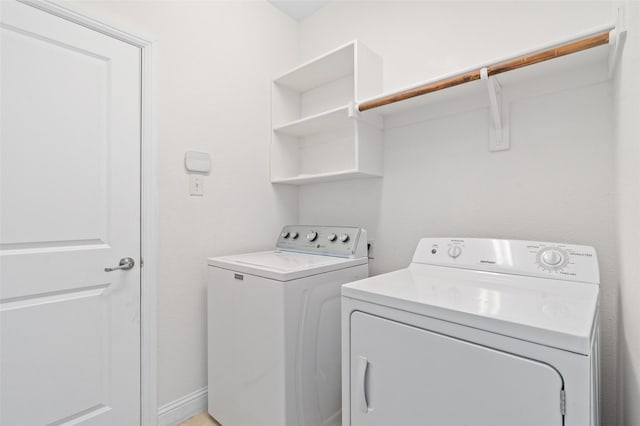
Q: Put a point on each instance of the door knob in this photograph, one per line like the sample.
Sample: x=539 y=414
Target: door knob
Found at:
x=126 y=263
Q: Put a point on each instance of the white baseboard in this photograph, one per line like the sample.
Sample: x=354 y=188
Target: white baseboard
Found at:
x=183 y=408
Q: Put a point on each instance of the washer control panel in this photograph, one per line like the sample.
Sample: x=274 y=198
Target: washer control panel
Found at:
x=552 y=258
x=339 y=241
x=530 y=258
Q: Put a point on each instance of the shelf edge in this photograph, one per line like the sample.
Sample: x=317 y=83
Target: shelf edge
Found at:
x=282 y=127
x=325 y=177
x=311 y=61
x=468 y=74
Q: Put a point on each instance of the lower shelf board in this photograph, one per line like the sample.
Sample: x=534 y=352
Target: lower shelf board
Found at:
x=325 y=177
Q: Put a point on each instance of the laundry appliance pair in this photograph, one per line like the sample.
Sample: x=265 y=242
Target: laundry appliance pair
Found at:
x=480 y=332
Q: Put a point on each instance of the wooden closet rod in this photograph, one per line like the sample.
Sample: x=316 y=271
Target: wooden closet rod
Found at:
x=498 y=68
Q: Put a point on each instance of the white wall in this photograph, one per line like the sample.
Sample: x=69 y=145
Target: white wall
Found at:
x=555 y=184
x=213 y=64
x=627 y=108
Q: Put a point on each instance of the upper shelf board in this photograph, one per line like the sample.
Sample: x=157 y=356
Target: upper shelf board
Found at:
x=329 y=120
x=332 y=66
x=586 y=66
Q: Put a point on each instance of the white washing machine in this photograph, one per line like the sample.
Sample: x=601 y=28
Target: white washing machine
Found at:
x=476 y=332
x=274 y=328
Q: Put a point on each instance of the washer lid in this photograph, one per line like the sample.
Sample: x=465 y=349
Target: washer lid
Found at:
x=283 y=266
x=554 y=313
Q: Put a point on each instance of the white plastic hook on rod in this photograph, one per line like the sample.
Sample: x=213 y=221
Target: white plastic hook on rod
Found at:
x=499 y=137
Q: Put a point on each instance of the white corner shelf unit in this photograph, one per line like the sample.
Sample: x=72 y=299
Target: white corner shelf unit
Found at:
x=318 y=134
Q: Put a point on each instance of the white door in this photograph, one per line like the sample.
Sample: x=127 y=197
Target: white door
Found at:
x=70 y=207
x=402 y=375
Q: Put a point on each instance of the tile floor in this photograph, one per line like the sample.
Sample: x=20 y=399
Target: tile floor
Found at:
x=202 y=419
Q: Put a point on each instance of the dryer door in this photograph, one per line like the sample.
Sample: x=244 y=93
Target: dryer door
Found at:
x=403 y=375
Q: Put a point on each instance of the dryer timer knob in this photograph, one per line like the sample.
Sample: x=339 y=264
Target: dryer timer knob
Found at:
x=455 y=251
x=311 y=236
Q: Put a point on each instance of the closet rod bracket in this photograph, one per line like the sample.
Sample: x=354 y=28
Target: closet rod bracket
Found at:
x=370 y=118
x=499 y=135
x=617 y=37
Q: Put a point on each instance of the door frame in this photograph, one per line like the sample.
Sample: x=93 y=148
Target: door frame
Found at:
x=148 y=200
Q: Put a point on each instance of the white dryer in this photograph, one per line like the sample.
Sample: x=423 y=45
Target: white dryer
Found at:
x=475 y=332
x=274 y=328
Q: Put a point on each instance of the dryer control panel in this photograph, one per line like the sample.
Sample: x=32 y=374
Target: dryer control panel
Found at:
x=339 y=241
x=530 y=258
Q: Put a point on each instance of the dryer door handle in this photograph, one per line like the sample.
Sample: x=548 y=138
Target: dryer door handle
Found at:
x=363 y=366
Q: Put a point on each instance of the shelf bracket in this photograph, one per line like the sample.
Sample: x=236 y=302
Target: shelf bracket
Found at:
x=499 y=129
x=617 y=37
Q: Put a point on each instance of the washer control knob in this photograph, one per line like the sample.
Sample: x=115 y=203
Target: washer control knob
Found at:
x=455 y=251
x=552 y=257
x=285 y=234
x=332 y=237
x=294 y=235
x=344 y=238
x=311 y=236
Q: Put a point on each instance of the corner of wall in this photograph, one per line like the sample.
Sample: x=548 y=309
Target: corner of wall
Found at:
x=626 y=103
